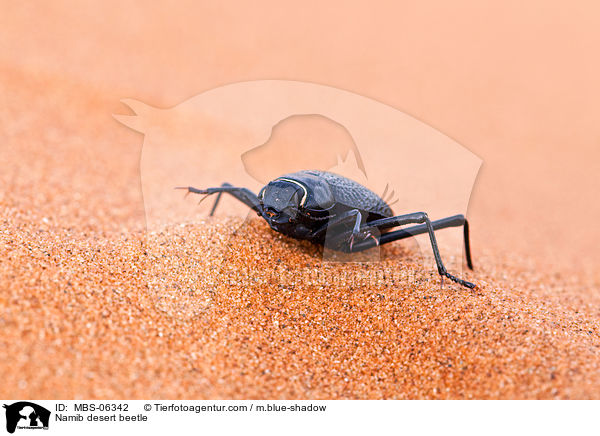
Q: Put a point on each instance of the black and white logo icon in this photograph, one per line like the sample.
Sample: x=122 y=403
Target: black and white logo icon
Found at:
x=26 y=415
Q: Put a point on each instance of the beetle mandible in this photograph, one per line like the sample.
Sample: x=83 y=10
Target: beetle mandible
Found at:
x=326 y=208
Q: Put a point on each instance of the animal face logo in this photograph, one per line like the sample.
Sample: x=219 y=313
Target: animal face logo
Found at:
x=26 y=415
x=249 y=133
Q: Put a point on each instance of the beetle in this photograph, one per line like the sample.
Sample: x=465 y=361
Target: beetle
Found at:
x=332 y=210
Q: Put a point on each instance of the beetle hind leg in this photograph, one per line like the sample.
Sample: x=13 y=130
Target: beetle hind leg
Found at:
x=425 y=226
x=444 y=223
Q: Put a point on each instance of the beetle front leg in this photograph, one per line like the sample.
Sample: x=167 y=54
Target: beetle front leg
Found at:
x=244 y=195
x=336 y=234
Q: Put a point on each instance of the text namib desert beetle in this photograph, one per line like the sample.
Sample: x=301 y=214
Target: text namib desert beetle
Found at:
x=332 y=210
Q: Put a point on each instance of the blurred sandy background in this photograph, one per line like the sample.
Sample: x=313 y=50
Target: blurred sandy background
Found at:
x=517 y=84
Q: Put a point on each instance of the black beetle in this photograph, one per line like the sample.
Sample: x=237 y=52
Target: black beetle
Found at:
x=332 y=210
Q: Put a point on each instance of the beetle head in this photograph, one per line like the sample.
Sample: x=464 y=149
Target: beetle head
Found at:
x=281 y=200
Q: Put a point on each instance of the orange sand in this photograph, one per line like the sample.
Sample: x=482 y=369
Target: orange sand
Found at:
x=93 y=307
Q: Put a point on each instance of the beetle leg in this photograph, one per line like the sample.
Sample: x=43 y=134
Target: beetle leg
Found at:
x=338 y=220
x=355 y=229
x=369 y=235
x=203 y=198
x=242 y=194
x=453 y=221
x=427 y=227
